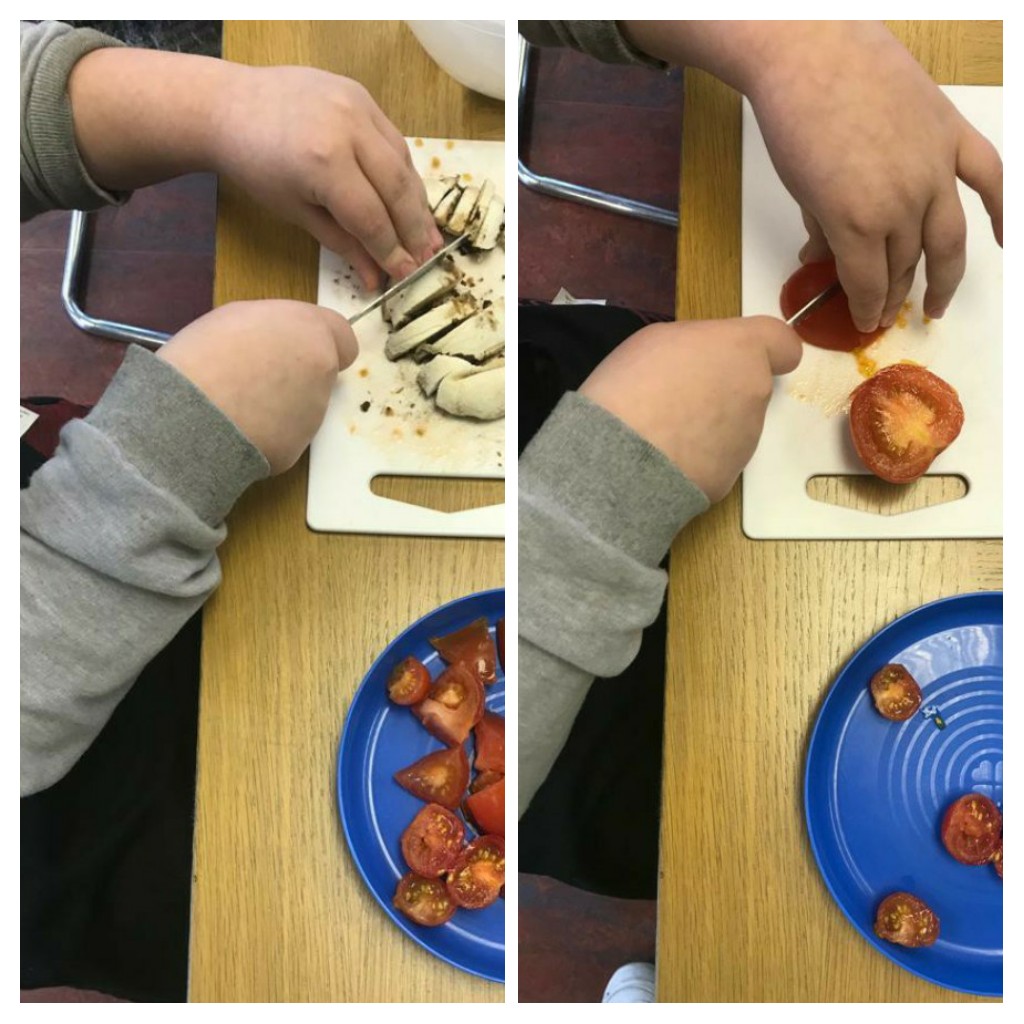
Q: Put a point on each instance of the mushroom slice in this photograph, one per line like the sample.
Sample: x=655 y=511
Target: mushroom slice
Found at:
x=446 y=207
x=478 y=338
x=490 y=225
x=463 y=211
x=480 y=396
x=437 y=189
x=437 y=369
x=429 y=325
x=433 y=286
x=482 y=202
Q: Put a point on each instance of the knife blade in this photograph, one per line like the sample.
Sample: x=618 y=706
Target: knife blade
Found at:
x=818 y=300
x=406 y=281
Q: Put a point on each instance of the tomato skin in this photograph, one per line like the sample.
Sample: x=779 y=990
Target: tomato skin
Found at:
x=906 y=920
x=454 y=705
x=997 y=859
x=490 y=743
x=478 y=877
x=473 y=646
x=830 y=325
x=485 y=779
x=501 y=641
x=972 y=829
x=433 y=841
x=487 y=808
x=439 y=778
x=901 y=419
x=424 y=900
x=409 y=682
x=895 y=693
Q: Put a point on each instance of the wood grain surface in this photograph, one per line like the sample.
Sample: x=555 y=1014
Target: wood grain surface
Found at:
x=757 y=632
x=279 y=910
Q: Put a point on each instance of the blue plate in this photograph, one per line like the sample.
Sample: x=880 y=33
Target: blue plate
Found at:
x=875 y=790
x=380 y=738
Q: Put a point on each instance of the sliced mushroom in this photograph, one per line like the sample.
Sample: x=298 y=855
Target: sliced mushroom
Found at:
x=437 y=369
x=429 y=325
x=490 y=224
x=437 y=189
x=463 y=211
x=478 y=338
x=433 y=286
x=482 y=202
x=446 y=206
x=480 y=396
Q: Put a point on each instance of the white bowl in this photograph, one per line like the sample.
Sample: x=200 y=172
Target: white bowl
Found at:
x=472 y=52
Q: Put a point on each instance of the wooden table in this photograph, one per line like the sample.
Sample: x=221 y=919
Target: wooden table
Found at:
x=280 y=912
x=758 y=630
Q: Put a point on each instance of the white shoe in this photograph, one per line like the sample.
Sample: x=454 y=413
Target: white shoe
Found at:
x=633 y=983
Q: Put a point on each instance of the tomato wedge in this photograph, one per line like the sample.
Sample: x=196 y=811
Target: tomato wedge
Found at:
x=409 y=682
x=901 y=419
x=424 y=900
x=455 y=704
x=895 y=692
x=501 y=641
x=485 y=779
x=487 y=808
x=478 y=877
x=433 y=841
x=906 y=920
x=490 y=743
x=972 y=829
x=830 y=325
x=473 y=646
x=439 y=778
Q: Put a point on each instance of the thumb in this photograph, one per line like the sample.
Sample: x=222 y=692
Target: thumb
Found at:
x=781 y=343
x=344 y=337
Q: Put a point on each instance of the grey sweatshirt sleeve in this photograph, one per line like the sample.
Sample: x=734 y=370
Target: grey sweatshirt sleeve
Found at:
x=598 y=509
x=119 y=533
x=52 y=173
x=602 y=40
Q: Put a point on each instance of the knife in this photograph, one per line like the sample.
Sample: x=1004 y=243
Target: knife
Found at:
x=818 y=300
x=406 y=281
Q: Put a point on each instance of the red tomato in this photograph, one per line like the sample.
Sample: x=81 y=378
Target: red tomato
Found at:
x=906 y=920
x=485 y=779
x=895 y=692
x=830 y=325
x=454 y=706
x=501 y=641
x=997 y=859
x=972 y=828
x=439 y=778
x=487 y=808
x=433 y=841
x=901 y=419
x=424 y=900
x=479 y=875
x=490 y=743
x=409 y=682
x=473 y=646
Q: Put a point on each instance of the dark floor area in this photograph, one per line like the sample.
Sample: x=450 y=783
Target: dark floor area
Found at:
x=618 y=129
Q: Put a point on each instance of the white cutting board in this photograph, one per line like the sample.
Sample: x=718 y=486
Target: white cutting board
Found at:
x=806 y=431
x=401 y=432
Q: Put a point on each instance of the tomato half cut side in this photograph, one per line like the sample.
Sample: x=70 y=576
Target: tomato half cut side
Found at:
x=895 y=693
x=473 y=646
x=455 y=704
x=906 y=920
x=478 y=877
x=901 y=419
x=424 y=900
x=433 y=841
x=439 y=778
x=487 y=808
x=830 y=325
x=972 y=829
x=409 y=682
x=485 y=779
x=490 y=743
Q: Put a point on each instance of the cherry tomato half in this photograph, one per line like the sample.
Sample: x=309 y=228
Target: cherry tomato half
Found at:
x=485 y=779
x=490 y=743
x=424 y=900
x=433 y=841
x=906 y=920
x=972 y=828
x=997 y=858
x=501 y=641
x=895 y=692
x=487 y=808
x=455 y=704
x=409 y=682
x=439 y=778
x=473 y=646
x=830 y=325
x=901 y=419
x=479 y=874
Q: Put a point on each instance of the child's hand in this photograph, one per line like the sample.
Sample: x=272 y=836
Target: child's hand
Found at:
x=316 y=149
x=269 y=367
x=698 y=391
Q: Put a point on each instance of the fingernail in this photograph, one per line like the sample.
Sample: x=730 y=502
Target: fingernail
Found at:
x=435 y=238
x=887 y=321
x=936 y=314
x=427 y=253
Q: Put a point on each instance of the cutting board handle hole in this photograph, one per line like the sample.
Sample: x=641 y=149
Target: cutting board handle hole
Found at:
x=869 y=494
x=437 y=492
